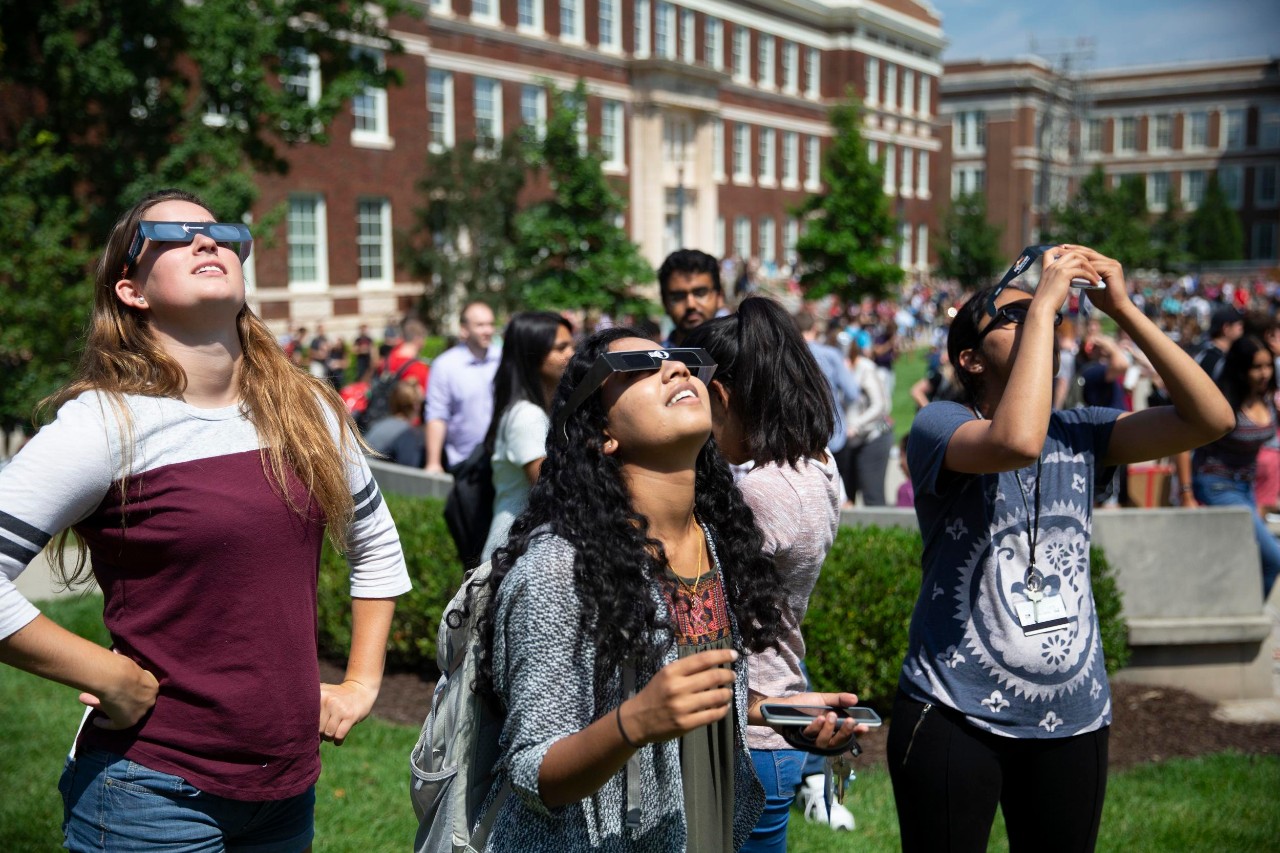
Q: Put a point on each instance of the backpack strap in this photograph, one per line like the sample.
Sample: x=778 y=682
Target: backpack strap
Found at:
x=480 y=837
x=633 y=763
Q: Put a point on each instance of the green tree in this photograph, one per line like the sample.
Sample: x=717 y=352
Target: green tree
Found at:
x=465 y=231
x=1169 y=237
x=105 y=101
x=1213 y=231
x=969 y=245
x=569 y=250
x=1112 y=221
x=850 y=234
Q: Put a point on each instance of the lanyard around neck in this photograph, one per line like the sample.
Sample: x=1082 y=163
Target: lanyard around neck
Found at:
x=1033 y=579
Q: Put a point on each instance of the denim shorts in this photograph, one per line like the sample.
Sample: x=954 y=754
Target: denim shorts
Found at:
x=114 y=805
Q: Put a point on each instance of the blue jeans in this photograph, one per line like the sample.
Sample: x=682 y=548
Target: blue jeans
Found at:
x=114 y=805
x=779 y=773
x=1222 y=491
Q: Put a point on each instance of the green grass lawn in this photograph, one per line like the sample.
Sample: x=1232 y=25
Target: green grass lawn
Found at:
x=907 y=371
x=1216 y=803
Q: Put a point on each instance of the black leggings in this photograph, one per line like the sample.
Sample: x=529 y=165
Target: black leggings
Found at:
x=948 y=777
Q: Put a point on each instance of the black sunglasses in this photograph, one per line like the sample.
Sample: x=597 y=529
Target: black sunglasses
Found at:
x=698 y=361
x=223 y=233
x=1015 y=314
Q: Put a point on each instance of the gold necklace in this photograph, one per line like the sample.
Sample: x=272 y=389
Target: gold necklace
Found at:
x=697 y=580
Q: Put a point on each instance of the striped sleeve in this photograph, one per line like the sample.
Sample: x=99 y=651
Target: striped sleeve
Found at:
x=56 y=480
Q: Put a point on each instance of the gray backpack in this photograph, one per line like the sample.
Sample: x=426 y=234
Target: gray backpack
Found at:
x=452 y=765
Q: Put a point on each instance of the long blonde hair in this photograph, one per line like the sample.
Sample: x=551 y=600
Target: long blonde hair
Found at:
x=284 y=404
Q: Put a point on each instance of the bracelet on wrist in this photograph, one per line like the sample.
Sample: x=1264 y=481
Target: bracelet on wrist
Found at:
x=627 y=740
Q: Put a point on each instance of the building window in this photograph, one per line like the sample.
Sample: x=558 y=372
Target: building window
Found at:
x=488 y=113
x=907 y=188
x=610 y=25
x=1127 y=132
x=908 y=91
x=642 y=30
x=440 y=108
x=790 y=236
x=969 y=131
x=1264 y=241
x=741 y=149
x=1092 y=133
x=765 y=51
x=922 y=246
x=966 y=180
x=664 y=31
x=768 y=240
x=308 y=254
x=613 y=134
x=812 y=73
x=688 y=35
x=922 y=176
x=812 y=162
x=533 y=109
x=1193 y=189
x=1264 y=186
x=873 y=81
x=890 y=86
x=1157 y=190
x=571 y=20
x=768 y=156
x=718 y=240
x=1196 y=130
x=369 y=109
x=1235 y=129
x=790 y=159
x=926 y=105
x=742 y=237
x=440 y=6
x=904 y=245
x=484 y=11
x=1269 y=127
x=1161 y=133
x=873 y=151
x=717 y=149
x=738 y=57
x=529 y=15
x=714 y=48
x=301 y=75
x=790 y=67
x=890 y=169
x=373 y=240
x=1231 y=179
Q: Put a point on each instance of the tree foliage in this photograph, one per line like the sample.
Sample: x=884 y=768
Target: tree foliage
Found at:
x=570 y=251
x=106 y=101
x=1169 y=237
x=1113 y=221
x=1213 y=231
x=849 y=240
x=465 y=231
x=969 y=246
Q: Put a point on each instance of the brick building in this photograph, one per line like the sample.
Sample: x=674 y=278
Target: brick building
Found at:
x=711 y=116
x=1027 y=135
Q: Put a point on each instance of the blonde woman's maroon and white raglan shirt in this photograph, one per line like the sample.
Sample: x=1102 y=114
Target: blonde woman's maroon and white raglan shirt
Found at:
x=208 y=579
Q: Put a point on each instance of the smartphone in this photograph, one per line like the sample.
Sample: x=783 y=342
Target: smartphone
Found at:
x=775 y=713
x=1085 y=284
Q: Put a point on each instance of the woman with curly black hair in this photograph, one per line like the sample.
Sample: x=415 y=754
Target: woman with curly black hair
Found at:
x=622 y=603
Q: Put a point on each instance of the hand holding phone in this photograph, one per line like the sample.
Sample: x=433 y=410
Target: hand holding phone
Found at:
x=777 y=714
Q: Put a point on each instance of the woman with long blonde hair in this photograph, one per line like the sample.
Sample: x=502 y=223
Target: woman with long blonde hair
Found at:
x=200 y=471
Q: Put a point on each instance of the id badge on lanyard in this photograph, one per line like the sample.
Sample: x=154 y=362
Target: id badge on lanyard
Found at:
x=1041 y=613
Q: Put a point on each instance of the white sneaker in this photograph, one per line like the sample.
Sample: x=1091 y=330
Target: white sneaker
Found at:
x=814 y=802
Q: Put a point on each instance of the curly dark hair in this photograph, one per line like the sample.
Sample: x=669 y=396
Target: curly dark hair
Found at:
x=580 y=496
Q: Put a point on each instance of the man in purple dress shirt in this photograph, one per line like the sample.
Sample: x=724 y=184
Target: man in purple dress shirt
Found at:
x=460 y=393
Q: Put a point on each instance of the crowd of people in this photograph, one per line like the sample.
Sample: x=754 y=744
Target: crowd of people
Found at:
x=662 y=508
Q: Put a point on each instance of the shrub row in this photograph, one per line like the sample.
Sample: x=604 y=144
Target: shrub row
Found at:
x=855 y=630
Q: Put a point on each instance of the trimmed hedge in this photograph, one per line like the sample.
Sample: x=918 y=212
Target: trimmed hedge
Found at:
x=855 y=630
x=859 y=614
x=434 y=569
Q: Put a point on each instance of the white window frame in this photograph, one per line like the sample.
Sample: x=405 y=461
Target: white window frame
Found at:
x=872 y=98
x=741 y=159
x=1189 y=127
x=577 y=15
x=1232 y=188
x=1154 y=142
x=688 y=39
x=446 y=138
x=1157 y=191
x=379 y=136
x=309 y=81
x=906 y=170
x=922 y=176
x=610 y=25
x=908 y=91
x=790 y=68
x=904 y=245
x=768 y=151
x=643 y=34
x=613 y=134
x=922 y=246
x=738 y=57
x=382 y=243
x=1191 y=199
x=494 y=87
x=742 y=236
x=717 y=150
x=1125 y=125
x=537 y=11
x=767 y=236
x=873 y=151
x=890 y=168
x=812 y=163
x=924 y=109
x=718 y=240
x=664 y=30
x=890 y=87
x=320 y=242
x=485 y=11
x=442 y=6
x=790 y=236
x=1262 y=198
x=1235 y=127
x=790 y=160
x=535 y=96
x=766 y=61
x=813 y=73
x=713 y=50
x=1092 y=135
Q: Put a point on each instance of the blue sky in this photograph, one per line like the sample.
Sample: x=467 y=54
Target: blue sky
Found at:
x=1124 y=32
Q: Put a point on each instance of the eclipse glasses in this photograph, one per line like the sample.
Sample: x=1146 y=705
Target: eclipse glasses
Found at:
x=697 y=360
x=1022 y=264
x=223 y=233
